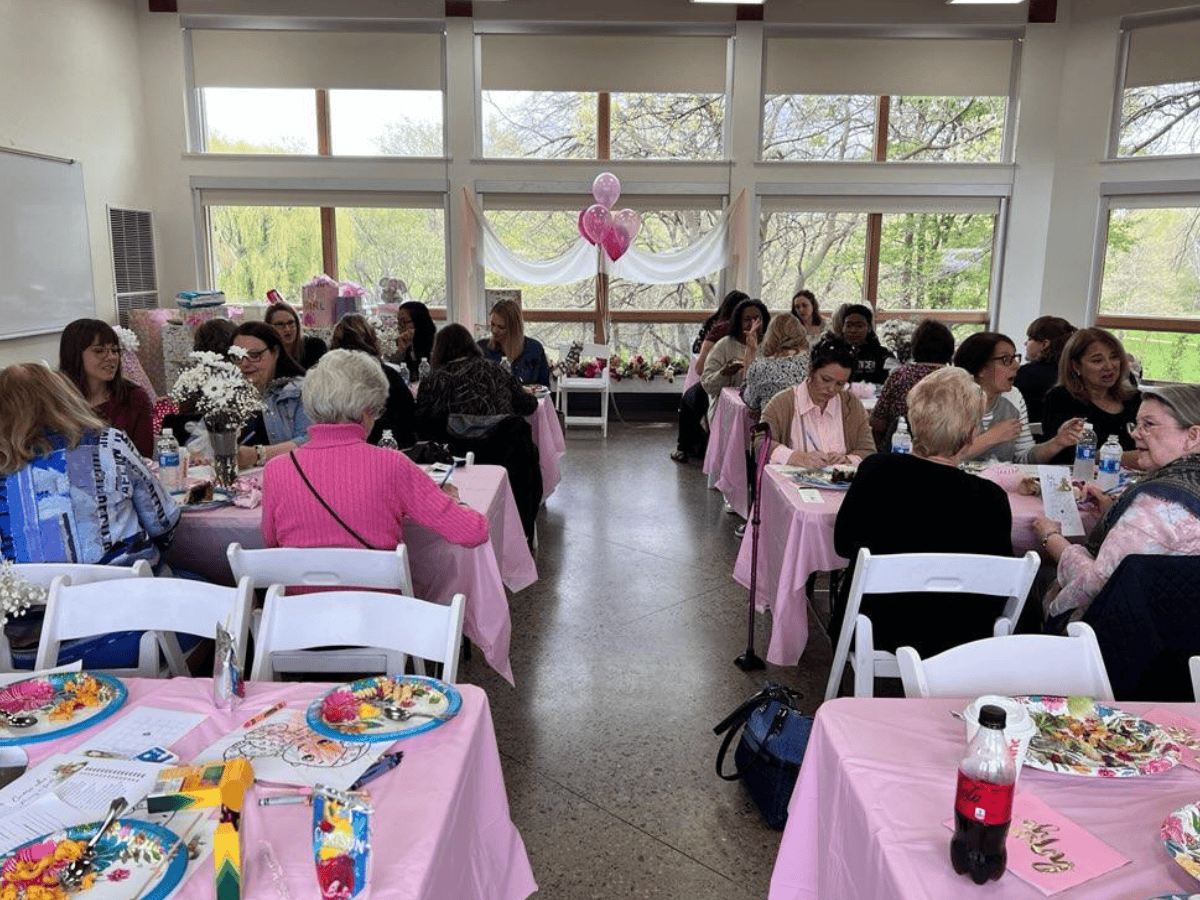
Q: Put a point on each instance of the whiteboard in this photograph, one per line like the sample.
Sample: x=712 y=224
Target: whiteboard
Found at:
x=45 y=254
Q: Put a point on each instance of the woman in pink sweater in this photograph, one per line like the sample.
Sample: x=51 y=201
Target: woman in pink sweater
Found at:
x=367 y=491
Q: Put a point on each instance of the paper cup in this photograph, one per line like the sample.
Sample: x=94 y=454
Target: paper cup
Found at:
x=1018 y=728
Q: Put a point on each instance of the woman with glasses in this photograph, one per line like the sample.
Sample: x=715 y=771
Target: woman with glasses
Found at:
x=89 y=354
x=304 y=349
x=1093 y=382
x=282 y=424
x=1158 y=515
x=1003 y=432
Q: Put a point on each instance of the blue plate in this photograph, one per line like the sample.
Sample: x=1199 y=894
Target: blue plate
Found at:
x=62 y=703
x=368 y=723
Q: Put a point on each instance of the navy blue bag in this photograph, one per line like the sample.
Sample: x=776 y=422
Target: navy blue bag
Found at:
x=768 y=757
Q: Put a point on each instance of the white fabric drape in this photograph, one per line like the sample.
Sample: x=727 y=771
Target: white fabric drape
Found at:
x=576 y=264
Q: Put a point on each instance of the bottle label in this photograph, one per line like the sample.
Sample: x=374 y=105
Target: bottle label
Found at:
x=168 y=459
x=983 y=801
x=1082 y=451
x=1110 y=465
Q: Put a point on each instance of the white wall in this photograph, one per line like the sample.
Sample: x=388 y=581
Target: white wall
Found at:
x=72 y=88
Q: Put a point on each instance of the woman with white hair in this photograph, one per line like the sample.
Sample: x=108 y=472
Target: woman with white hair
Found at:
x=923 y=503
x=338 y=490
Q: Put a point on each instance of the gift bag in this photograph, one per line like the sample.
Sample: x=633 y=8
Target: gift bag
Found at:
x=768 y=757
x=320 y=298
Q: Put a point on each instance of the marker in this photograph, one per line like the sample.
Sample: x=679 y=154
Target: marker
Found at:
x=269 y=711
x=381 y=766
x=284 y=799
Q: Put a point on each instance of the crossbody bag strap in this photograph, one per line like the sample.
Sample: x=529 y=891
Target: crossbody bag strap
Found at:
x=328 y=508
x=732 y=724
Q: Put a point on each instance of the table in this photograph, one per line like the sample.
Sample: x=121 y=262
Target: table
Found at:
x=866 y=818
x=728 y=443
x=796 y=540
x=551 y=444
x=441 y=825
x=439 y=569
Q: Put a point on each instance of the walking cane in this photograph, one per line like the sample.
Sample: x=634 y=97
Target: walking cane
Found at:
x=750 y=661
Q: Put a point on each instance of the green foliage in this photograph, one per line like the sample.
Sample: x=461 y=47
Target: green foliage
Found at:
x=1159 y=120
x=945 y=129
x=257 y=248
x=935 y=261
x=1165 y=356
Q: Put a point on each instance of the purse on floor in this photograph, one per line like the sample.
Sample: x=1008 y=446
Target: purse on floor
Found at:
x=768 y=756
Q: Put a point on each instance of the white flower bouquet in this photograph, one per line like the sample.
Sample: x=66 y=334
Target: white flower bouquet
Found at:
x=215 y=388
x=17 y=594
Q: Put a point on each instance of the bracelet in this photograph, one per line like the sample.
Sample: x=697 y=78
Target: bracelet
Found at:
x=260 y=455
x=1049 y=534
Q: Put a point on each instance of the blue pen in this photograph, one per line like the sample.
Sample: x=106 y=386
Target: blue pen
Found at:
x=384 y=764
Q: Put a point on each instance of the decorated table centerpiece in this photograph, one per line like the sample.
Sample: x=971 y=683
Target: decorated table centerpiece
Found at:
x=215 y=388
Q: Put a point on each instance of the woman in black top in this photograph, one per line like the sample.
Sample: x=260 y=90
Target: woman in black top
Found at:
x=304 y=349
x=1044 y=342
x=1094 y=384
x=399 y=416
x=870 y=356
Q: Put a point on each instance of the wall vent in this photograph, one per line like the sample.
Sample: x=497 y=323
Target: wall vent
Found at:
x=135 y=282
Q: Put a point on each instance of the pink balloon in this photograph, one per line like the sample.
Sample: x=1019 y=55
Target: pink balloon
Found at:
x=630 y=221
x=616 y=242
x=606 y=189
x=582 y=230
x=596 y=222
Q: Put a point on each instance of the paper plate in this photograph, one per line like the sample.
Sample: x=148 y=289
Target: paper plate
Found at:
x=1078 y=736
x=355 y=712
x=221 y=497
x=62 y=703
x=1180 y=834
x=136 y=860
x=819 y=478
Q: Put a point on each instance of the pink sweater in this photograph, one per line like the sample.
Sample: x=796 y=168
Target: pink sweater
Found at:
x=371 y=488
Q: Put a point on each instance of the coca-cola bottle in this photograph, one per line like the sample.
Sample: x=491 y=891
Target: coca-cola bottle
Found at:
x=983 y=801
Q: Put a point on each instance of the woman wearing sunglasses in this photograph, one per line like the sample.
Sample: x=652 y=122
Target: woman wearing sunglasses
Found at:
x=282 y=424
x=1158 y=515
x=1003 y=432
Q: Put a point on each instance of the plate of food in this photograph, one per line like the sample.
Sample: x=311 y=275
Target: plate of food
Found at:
x=1180 y=834
x=134 y=860
x=204 y=495
x=538 y=390
x=1081 y=736
x=382 y=708
x=828 y=478
x=51 y=706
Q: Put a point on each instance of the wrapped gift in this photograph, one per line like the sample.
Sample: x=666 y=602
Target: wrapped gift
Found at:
x=320 y=298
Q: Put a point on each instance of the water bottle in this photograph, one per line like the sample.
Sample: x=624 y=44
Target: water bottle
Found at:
x=423 y=369
x=387 y=440
x=1109 y=464
x=983 y=801
x=170 y=465
x=1085 y=454
x=901 y=440
x=405 y=374
x=505 y=364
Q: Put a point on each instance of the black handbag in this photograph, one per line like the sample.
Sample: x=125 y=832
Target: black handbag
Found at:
x=426 y=453
x=768 y=757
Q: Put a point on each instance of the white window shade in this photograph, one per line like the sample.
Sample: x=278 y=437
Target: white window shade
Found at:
x=927 y=67
x=615 y=63
x=290 y=197
x=885 y=205
x=1163 y=54
x=308 y=59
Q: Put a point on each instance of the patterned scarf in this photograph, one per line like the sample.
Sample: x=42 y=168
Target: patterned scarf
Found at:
x=1178 y=480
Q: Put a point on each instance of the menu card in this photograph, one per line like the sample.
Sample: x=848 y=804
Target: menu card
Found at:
x=1058 y=499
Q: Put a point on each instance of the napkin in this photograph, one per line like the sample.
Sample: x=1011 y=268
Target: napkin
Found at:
x=1183 y=731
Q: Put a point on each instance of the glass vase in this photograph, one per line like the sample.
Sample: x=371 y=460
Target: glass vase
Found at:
x=224 y=455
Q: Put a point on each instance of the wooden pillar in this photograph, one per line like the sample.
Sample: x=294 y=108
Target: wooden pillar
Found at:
x=875 y=220
x=329 y=261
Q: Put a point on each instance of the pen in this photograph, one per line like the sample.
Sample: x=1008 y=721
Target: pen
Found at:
x=446 y=477
x=384 y=764
x=269 y=711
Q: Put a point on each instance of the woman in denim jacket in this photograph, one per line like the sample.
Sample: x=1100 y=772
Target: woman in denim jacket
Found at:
x=282 y=425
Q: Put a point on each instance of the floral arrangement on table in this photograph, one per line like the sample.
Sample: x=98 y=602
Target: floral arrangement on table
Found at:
x=127 y=340
x=637 y=366
x=215 y=388
x=17 y=593
x=896 y=335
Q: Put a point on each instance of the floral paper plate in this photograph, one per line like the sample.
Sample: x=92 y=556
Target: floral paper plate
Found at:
x=51 y=706
x=134 y=860
x=824 y=479
x=1180 y=834
x=359 y=711
x=1078 y=736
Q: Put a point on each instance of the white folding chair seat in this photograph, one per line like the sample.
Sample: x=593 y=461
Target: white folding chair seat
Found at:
x=1011 y=665
x=406 y=625
x=600 y=386
x=899 y=573
x=1194 y=670
x=325 y=567
x=43 y=575
x=152 y=604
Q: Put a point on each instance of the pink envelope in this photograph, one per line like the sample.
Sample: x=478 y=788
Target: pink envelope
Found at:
x=1184 y=732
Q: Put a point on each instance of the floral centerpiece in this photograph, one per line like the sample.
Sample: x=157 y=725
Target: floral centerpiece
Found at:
x=17 y=593
x=215 y=388
x=638 y=366
x=897 y=335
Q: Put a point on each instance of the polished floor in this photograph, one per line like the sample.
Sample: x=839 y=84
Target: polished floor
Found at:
x=623 y=656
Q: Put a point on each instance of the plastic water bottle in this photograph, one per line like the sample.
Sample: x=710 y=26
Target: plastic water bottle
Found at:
x=170 y=463
x=405 y=374
x=423 y=369
x=983 y=801
x=505 y=364
x=901 y=440
x=1109 y=464
x=1085 y=454
x=387 y=440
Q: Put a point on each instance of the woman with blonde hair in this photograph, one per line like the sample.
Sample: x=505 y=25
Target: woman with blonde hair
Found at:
x=782 y=362
x=304 y=349
x=526 y=357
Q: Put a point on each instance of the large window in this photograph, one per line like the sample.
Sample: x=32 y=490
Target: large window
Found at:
x=1150 y=292
x=1160 y=99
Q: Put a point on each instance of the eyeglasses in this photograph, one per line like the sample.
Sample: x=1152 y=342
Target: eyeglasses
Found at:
x=251 y=355
x=1139 y=425
x=1008 y=359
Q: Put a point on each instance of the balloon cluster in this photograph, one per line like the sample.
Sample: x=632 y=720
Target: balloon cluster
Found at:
x=614 y=231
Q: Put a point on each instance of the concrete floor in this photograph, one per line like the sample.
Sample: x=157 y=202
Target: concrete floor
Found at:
x=623 y=657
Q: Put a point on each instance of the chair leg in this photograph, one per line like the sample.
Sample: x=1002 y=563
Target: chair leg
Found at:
x=840 y=655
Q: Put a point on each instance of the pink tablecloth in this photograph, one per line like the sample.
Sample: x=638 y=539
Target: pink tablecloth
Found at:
x=439 y=569
x=725 y=459
x=551 y=444
x=796 y=539
x=877 y=784
x=441 y=825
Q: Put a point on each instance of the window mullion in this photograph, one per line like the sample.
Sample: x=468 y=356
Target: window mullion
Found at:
x=328 y=217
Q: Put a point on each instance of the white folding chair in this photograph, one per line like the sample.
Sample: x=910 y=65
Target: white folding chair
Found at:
x=567 y=384
x=955 y=573
x=152 y=604
x=403 y=624
x=43 y=575
x=1011 y=665
x=325 y=567
x=1194 y=669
